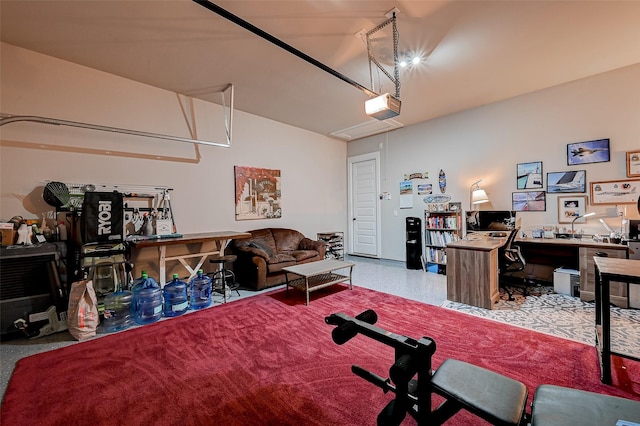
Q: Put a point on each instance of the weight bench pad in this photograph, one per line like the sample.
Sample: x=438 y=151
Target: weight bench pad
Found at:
x=560 y=406
x=491 y=396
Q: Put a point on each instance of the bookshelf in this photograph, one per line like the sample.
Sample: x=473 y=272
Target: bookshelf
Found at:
x=442 y=225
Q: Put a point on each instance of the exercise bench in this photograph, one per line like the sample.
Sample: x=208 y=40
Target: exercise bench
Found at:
x=491 y=396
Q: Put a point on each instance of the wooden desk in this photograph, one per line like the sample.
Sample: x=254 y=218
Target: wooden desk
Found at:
x=472 y=271
x=577 y=254
x=606 y=270
x=153 y=254
x=473 y=276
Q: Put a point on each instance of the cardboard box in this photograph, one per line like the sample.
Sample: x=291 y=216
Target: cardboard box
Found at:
x=8 y=236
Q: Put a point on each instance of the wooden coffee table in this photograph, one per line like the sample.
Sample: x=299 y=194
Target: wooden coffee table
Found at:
x=317 y=275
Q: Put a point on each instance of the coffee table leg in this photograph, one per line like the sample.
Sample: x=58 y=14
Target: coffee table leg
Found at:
x=286 y=276
x=306 y=283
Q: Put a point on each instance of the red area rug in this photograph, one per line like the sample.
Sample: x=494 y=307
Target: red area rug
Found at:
x=270 y=360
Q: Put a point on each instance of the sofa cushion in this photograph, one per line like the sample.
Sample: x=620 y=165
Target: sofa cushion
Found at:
x=286 y=239
x=260 y=245
x=264 y=238
x=301 y=255
x=277 y=267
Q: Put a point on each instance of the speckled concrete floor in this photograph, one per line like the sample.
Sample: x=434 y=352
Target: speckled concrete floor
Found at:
x=382 y=275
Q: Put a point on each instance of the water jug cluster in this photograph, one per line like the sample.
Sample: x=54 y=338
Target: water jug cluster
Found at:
x=144 y=301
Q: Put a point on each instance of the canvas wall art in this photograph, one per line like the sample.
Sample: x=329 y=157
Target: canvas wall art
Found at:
x=569 y=181
x=596 y=151
x=531 y=201
x=258 y=193
x=529 y=175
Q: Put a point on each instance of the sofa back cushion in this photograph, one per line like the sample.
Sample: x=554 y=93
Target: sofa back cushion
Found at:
x=262 y=239
x=286 y=239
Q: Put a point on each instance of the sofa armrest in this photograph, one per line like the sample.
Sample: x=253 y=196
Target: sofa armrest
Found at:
x=309 y=244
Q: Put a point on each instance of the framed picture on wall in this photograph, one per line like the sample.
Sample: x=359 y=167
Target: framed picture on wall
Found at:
x=530 y=201
x=596 y=151
x=571 y=207
x=633 y=164
x=615 y=191
x=529 y=175
x=570 y=181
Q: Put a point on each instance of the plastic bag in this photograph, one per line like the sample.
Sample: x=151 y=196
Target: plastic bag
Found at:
x=83 y=318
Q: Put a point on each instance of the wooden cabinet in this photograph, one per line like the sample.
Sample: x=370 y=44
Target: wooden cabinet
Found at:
x=335 y=244
x=472 y=272
x=618 y=290
x=441 y=228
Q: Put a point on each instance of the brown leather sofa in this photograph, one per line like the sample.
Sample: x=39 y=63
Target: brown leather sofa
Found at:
x=262 y=257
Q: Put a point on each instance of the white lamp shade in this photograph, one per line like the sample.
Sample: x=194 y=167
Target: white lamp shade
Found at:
x=479 y=196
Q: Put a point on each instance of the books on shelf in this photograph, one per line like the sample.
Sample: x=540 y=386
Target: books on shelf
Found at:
x=440 y=238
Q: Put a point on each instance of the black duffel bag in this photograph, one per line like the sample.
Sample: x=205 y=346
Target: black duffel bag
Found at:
x=102 y=217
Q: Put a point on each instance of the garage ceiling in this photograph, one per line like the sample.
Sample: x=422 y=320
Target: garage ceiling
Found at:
x=473 y=52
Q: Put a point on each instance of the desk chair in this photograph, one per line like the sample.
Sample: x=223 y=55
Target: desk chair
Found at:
x=512 y=263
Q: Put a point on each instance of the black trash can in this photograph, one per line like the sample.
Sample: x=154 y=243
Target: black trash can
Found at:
x=414 y=243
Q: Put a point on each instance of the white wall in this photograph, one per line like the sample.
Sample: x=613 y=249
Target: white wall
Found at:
x=487 y=143
x=312 y=166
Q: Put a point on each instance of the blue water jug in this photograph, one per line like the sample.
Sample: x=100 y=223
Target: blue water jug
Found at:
x=147 y=299
x=139 y=280
x=200 y=291
x=118 y=311
x=176 y=301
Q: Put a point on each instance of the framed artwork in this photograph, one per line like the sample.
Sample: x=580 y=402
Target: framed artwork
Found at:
x=571 y=181
x=257 y=193
x=633 y=164
x=615 y=192
x=530 y=201
x=571 y=207
x=529 y=175
x=596 y=151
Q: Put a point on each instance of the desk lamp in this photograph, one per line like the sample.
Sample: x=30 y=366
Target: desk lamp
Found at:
x=477 y=195
x=573 y=235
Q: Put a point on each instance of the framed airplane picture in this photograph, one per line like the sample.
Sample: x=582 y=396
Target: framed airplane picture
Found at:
x=596 y=151
x=615 y=191
x=569 y=181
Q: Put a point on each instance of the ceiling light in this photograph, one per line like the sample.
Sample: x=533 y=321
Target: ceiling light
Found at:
x=382 y=107
x=415 y=60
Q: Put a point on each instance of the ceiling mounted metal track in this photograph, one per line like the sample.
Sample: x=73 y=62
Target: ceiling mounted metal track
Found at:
x=8 y=118
x=261 y=33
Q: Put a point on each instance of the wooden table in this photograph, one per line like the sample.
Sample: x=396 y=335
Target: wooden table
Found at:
x=317 y=275
x=186 y=247
x=607 y=270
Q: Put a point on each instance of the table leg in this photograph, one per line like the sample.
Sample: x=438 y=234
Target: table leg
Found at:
x=286 y=276
x=306 y=283
x=350 y=277
x=603 y=325
x=163 y=265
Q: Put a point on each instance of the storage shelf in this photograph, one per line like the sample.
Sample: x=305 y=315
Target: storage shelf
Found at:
x=335 y=244
x=441 y=227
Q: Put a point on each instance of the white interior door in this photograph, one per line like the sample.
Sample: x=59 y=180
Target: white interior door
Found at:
x=364 y=205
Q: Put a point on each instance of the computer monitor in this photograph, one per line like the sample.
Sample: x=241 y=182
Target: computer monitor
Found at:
x=490 y=220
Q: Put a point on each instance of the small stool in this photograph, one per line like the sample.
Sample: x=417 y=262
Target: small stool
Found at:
x=497 y=399
x=224 y=280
